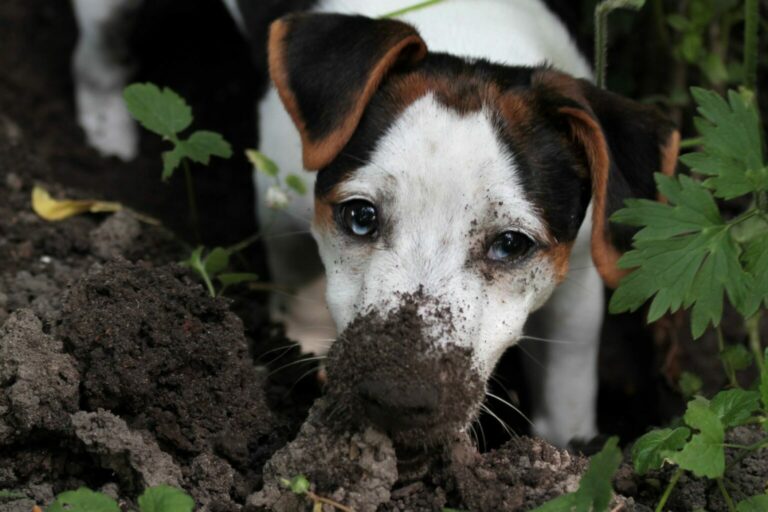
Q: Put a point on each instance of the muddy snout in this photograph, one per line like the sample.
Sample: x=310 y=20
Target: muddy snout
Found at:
x=397 y=405
x=401 y=374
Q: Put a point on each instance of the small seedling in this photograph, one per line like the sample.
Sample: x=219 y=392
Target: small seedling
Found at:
x=166 y=114
x=213 y=267
x=161 y=498
x=278 y=195
x=301 y=486
x=595 y=489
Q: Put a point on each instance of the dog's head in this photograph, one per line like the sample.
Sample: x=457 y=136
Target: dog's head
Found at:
x=448 y=200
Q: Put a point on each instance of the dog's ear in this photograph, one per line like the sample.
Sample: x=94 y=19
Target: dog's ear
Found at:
x=326 y=68
x=624 y=143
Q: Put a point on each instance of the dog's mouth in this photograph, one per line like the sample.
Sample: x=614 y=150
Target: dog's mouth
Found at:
x=384 y=370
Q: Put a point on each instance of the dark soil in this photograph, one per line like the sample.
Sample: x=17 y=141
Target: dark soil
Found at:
x=117 y=371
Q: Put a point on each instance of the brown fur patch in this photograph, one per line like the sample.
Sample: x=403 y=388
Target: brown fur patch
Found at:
x=559 y=254
x=318 y=153
x=669 y=155
x=587 y=132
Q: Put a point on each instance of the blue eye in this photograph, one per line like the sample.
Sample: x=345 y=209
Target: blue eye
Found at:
x=510 y=246
x=358 y=217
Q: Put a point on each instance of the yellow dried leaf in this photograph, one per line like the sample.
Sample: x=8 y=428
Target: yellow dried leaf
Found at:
x=53 y=209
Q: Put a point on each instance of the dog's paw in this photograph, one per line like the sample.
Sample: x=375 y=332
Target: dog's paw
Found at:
x=108 y=126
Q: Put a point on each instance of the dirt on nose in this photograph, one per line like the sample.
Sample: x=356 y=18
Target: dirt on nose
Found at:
x=396 y=348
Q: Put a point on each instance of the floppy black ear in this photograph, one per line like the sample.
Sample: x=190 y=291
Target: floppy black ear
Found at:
x=326 y=67
x=625 y=143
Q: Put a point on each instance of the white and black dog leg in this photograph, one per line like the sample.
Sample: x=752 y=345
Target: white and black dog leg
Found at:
x=101 y=67
x=566 y=339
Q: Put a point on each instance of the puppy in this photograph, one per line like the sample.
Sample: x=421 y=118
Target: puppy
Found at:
x=466 y=169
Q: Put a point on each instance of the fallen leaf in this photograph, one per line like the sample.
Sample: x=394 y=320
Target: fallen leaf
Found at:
x=54 y=209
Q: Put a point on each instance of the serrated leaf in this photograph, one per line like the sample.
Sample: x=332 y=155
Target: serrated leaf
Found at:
x=83 y=500
x=753 y=504
x=296 y=184
x=735 y=407
x=755 y=259
x=731 y=149
x=650 y=450
x=163 y=112
x=171 y=160
x=262 y=162
x=163 y=498
x=703 y=455
x=203 y=144
x=217 y=261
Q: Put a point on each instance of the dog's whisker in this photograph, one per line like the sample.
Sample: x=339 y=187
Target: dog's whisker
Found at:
x=283 y=351
x=299 y=361
x=506 y=427
x=550 y=340
x=511 y=406
x=286 y=234
x=527 y=353
x=303 y=375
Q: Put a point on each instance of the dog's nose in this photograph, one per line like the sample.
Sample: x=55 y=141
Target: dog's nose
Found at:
x=397 y=405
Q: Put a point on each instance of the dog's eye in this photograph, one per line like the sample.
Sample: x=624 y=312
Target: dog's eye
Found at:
x=358 y=217
x=510 y=246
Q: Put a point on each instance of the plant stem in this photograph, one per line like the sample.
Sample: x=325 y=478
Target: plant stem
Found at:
x=691 y=143
x=668 y=490
x=753 y=328
x=728 y=499
x=601 y=33
x=747 y=451
x=191 y=201
x=414 y=7
x=751 y=20
x=729 y=371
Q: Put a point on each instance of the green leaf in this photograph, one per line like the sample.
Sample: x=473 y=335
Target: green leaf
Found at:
x=703 y=455
x=690 y=384
x=160 y=111
x=171 y=161
x=753 y=504
x=217 y=261
x=755 y=259
x=83 y=500
x=262 y=162
x=650 y=450
x=296 y=184
x=595 y=489
x=163 y=498
x=12 y=495
x=735 y=407
x=732 y=149
x=203 y=144
x=298 y=484
x=736 y=357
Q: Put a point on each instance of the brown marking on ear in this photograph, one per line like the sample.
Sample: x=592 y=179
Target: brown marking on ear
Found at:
x=587 y=132
x=669 y=155
x=559 y=255
x=318 y=153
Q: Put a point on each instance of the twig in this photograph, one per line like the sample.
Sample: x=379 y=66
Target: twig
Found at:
x=335 y=504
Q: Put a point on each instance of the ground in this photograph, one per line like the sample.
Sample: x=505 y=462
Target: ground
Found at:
x=118 y=371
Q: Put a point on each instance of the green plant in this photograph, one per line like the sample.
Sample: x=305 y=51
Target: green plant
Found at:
x=161 y=498
x=213 y=267
x=301 y=486
x=602 y=11
x=699 y=445
x=166 y=114
x=278 y=194
x=595 y=489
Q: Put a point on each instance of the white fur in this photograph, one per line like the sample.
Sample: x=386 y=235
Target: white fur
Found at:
x=100 y=75
x=444 y=185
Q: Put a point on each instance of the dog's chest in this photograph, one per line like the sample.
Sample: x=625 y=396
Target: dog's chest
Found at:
x=512 y=32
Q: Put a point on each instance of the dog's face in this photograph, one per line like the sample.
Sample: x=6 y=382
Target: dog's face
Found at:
x=448 y=199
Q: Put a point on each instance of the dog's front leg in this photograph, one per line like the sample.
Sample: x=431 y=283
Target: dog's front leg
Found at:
x=101 y=67
x=562 y=350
